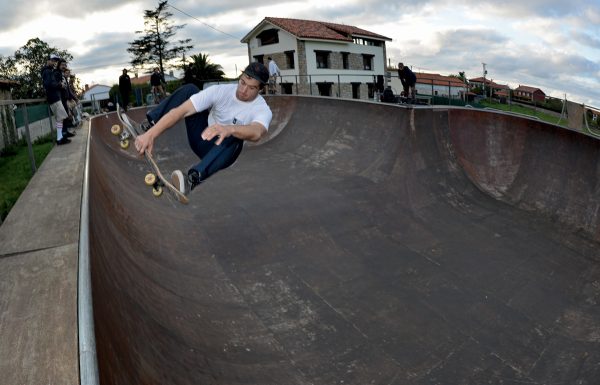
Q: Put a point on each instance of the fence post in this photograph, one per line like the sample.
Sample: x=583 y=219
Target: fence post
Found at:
x=432 y=94
x=339 y=87
x=28 y=137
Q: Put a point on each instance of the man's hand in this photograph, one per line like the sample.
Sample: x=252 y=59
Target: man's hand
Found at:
x=144 y=142
x=217 y=130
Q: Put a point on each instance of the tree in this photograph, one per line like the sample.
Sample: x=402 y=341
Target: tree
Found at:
x=26 y=65
x=154 y=46
x=461 y=75
x=201 y=69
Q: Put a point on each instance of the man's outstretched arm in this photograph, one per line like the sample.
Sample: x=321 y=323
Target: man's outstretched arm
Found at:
x=145 y=142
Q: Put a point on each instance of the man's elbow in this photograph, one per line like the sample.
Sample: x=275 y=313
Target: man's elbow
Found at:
x=257 y=134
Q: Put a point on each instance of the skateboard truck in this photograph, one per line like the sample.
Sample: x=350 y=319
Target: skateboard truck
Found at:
x=124 y=139
x=122 y=134
x=156 y=183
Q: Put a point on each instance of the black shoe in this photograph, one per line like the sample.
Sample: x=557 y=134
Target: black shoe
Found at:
x=193 y=178
x=147 y=123
x=68 y=134
x=63 y=141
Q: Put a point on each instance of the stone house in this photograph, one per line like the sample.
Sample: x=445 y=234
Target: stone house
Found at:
x=320 y=58
x=529 y=94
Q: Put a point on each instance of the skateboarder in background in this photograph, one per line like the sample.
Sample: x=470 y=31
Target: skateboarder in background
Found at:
x=217 y=119
x=409 y=80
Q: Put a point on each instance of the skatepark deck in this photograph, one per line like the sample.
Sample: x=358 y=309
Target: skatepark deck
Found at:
x=359 y=243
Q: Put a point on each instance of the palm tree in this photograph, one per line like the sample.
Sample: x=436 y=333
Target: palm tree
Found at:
x=201 y=69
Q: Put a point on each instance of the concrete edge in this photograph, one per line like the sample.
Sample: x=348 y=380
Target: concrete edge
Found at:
x=88 y=363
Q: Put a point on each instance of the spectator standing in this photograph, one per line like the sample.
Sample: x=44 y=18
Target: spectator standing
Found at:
x=156 y=81
x=52 y=83
x=124 y=89
x=65 y=96
x=273 y=73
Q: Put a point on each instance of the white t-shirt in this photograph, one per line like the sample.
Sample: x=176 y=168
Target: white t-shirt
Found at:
x=227 y=109
x=273 y=68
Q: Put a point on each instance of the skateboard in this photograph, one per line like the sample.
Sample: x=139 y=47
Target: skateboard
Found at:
x=156 y=179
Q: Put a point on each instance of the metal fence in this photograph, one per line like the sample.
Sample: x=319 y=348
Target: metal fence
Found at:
x=9 y=132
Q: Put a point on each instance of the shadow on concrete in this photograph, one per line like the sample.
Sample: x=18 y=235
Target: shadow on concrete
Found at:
x=360 y=243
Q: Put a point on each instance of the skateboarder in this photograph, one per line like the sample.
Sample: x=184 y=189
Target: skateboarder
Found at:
x=408 y=80
x=217 y=119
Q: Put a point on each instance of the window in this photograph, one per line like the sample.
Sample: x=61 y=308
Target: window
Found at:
x=371 y=90
x=289 y=56
x=324 y=88
x=367 y=62
x=369 y=42
x=260 y=59
x=345 y=64
x=286 y=88
x=268 y=36
x=355 y=90
x=322 y=59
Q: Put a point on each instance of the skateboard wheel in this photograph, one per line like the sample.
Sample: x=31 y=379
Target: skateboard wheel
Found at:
x=124 y=144
x=150 y=179
x=115 y=129
x=157 y=191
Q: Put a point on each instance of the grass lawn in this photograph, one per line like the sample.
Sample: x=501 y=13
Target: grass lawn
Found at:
x=518 y=109
x=15 y=173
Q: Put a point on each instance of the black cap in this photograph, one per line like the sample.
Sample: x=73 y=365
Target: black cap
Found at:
x=257 y=71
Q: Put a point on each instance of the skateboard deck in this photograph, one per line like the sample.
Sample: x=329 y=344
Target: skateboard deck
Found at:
x=130 y=130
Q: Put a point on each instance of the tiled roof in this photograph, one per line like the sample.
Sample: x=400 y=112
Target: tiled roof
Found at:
x=310 y=29
x=489 y=83
x=528 y=89
x=439 y=80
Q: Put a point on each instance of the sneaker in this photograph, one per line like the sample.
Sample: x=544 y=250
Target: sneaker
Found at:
x=68 y=134
x=63 y=141
x=193 y=178
x=146 y=124
x=178 y=181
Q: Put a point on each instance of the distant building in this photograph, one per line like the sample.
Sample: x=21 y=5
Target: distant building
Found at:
x=489 y=84
x=320 y=58
x=431 y=84
x=529 y=94
x=145 y=79
x=95 y=96
x=440 y=85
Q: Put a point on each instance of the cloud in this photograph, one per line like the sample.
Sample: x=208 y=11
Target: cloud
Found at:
x=586 y=39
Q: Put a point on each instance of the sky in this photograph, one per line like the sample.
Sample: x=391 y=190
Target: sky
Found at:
x=548 y=44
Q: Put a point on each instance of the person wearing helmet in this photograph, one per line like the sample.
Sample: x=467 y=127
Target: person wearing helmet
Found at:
x=218 y=121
